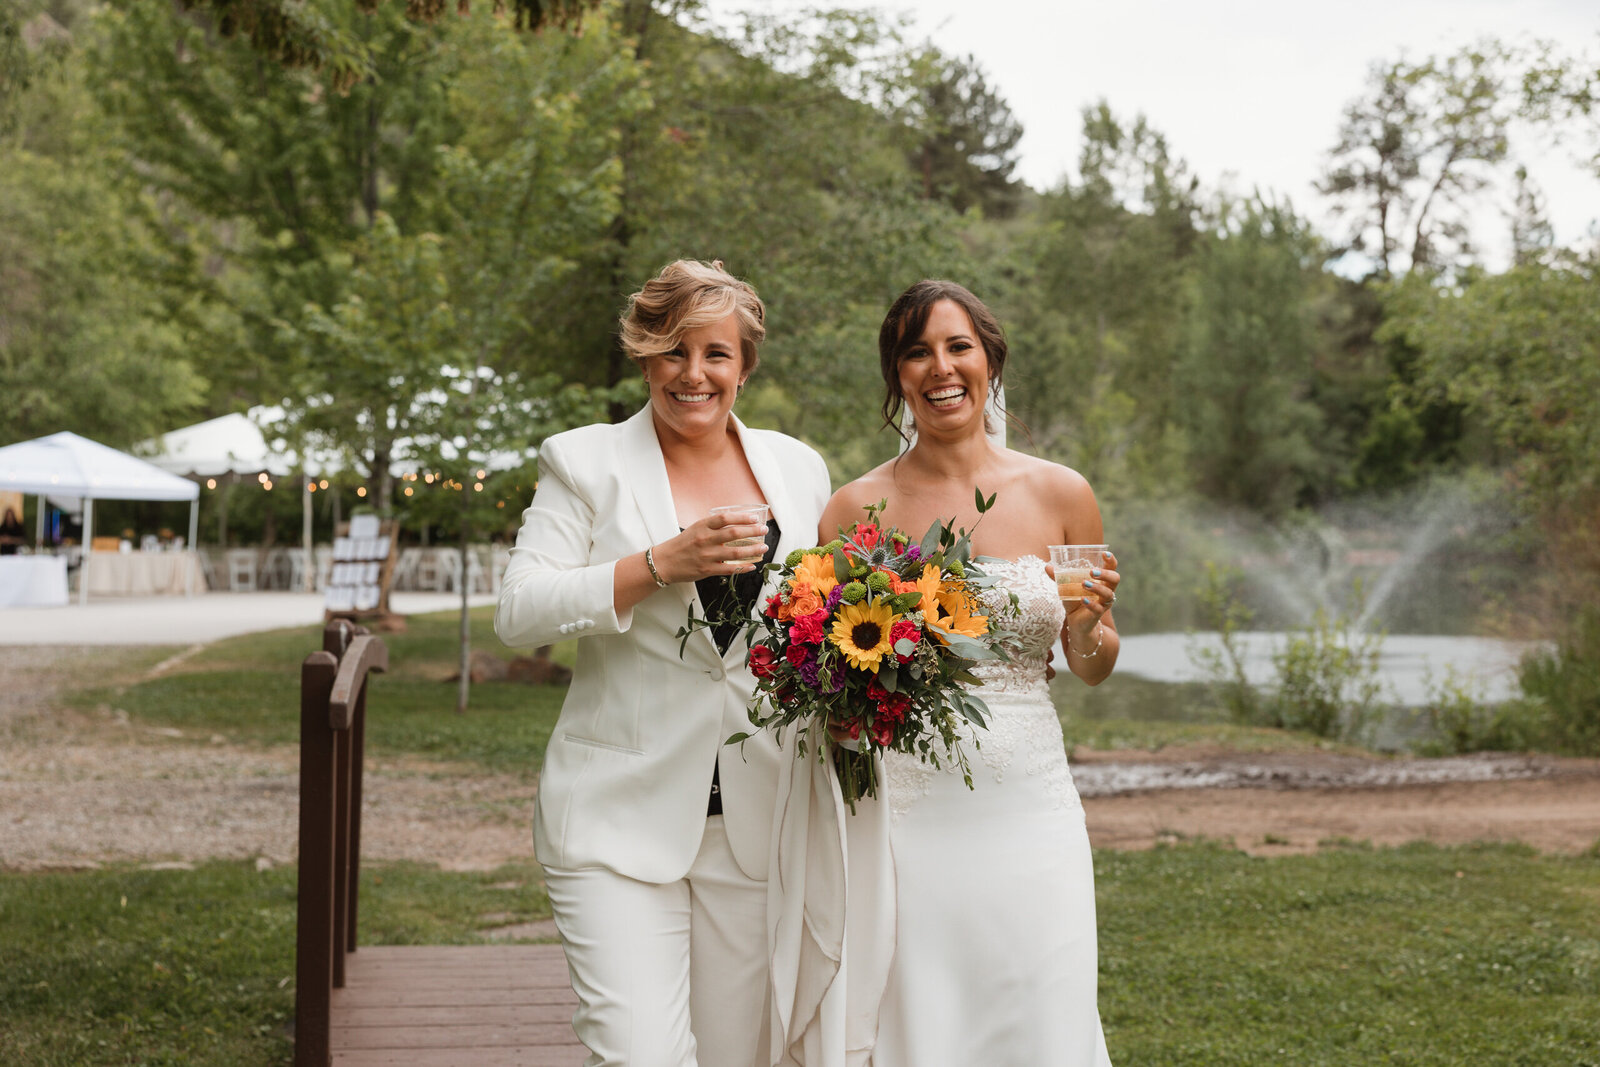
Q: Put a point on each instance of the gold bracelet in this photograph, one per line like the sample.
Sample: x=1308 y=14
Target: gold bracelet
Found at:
x=649 y=561
x=1099 y=629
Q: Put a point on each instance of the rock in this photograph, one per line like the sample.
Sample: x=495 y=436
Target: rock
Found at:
x=537 y=669
x=485 y=667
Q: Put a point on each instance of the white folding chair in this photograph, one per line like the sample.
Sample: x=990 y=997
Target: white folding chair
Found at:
x=241 y=569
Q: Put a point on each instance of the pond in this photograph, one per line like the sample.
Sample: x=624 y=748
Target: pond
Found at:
x=1409 y=665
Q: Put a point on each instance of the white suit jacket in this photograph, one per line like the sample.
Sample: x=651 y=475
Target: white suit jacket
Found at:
x=628 y=767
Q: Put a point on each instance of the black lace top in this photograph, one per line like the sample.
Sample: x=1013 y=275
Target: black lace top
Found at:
x=732 y=603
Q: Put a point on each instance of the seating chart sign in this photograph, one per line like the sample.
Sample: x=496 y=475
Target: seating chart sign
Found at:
x=361 y=566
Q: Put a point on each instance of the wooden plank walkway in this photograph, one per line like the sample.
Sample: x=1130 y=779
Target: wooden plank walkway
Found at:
x=455 y=1006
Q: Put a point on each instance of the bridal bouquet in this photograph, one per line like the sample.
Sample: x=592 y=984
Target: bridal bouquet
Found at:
x=873 y=635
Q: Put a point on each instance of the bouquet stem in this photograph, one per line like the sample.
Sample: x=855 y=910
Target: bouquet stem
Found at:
x=858 y=774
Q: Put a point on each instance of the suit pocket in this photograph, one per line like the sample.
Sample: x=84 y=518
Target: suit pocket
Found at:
x=574 y=739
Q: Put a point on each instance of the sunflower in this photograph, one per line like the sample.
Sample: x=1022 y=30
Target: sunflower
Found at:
x=862 y=633
x=957 y=616
x=817 y=572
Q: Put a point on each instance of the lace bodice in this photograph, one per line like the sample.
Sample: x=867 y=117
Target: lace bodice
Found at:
x=1022 y=722
x=1035 y=620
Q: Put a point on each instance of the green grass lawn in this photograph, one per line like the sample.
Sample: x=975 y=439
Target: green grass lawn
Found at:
x=1466 y=956
x=247 y=689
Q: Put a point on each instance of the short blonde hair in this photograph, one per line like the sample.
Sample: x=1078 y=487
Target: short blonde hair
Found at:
x=687 y=295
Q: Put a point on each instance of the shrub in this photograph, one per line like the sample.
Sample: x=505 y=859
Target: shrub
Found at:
x=1565 y=685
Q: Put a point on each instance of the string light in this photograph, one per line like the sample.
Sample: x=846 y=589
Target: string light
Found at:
x=267 y=486
x=408 y=490
x=361 y=490
x=428 y=478
x=323 y=484
x=477 y=487
x=211 y=483
x=482 y=475
x=311 y=487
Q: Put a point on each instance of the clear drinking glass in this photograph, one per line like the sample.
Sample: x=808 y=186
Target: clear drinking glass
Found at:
x=1073 y=565
x=757 y=513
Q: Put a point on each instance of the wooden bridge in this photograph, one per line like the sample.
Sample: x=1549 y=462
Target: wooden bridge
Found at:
x=418 y=1006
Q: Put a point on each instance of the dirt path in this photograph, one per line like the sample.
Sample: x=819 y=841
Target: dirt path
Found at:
x=1274 y=804
x=82 y=790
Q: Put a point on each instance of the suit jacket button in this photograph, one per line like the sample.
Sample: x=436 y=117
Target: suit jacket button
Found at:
x=717 y=674
x=566 y=627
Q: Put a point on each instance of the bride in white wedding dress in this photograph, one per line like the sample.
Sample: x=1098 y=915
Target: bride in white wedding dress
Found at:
x=942 y=926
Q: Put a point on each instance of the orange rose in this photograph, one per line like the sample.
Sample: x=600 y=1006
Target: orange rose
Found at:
x=805 y=602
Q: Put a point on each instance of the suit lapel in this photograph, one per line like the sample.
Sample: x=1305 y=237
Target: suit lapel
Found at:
x=769 y=475
x=647 y=476
x=652 y=491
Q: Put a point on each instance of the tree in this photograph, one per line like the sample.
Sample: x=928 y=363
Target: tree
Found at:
x=965 y=136
x=92 y=337
x=1246 y=366
x=1413 y=152
x=1097 y=300
x=314 y=34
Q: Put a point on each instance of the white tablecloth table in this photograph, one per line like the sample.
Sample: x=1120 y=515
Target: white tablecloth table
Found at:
x=143 y=573
x=33 y=581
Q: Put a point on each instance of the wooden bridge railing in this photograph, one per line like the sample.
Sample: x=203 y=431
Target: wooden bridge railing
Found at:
x=333 y=712
x=415 y=1005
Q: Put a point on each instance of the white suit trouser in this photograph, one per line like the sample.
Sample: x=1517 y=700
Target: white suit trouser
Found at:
x=667 y=975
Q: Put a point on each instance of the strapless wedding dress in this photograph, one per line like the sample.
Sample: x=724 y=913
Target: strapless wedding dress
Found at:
x=995 y=954
x=941 y=926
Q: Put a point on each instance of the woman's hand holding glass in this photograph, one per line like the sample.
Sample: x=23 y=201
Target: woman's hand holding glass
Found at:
x=1085 y=611
x=722 y=543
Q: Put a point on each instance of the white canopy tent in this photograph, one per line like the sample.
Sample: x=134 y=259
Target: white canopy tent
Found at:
x=64 y=464
x=233 y=444
x=236 y=444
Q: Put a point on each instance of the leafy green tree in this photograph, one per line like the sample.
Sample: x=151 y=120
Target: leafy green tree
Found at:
x=1097 y=303
x=1414 y=150
x=91 y=337
x=965 y=135
x=315 y=34
x=1246 y=365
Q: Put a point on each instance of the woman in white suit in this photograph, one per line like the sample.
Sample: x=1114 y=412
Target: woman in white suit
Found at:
x=653 y=834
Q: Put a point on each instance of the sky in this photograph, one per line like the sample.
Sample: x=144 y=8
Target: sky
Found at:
x=1249 y=92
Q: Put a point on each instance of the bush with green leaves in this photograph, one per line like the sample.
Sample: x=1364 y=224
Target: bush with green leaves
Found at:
x=1564 y=685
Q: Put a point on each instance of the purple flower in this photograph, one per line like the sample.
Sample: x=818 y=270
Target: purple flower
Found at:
x=833 y=597
x=808 y=673
x=914 y=553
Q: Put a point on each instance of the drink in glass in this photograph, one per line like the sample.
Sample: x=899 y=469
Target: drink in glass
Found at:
x=1074 y=565
x=736 y=514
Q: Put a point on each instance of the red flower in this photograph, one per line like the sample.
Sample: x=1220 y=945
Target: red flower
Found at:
x=867 y=535
x=882 y=732
x=809 y=630
x=762 y=661
x=908 y=630
x=797 y=654
x=892 y=707
x=774 y=603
